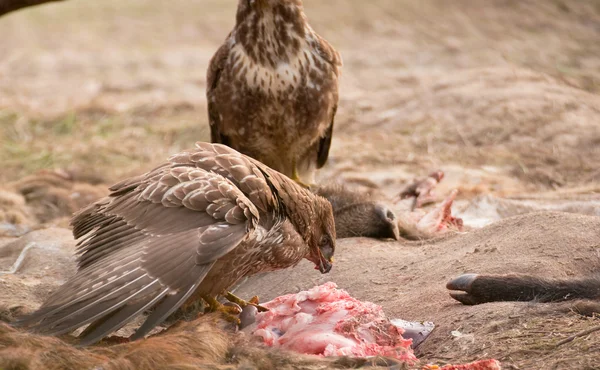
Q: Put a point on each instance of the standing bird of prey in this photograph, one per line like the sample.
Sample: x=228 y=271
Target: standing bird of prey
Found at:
x=189 y=229
x=272 y=89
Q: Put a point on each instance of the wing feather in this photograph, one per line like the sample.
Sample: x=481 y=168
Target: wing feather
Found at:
x=329 y=54
x=150 y=244
x=164 y=309
x=116 y=320
x=213 y=76
x=325 y=142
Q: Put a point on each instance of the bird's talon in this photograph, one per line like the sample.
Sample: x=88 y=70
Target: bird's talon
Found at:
x=299 y=182
x=230 y=311
x=214 y=306
x=233 y=308
x=297 y=179
x=232 y=318
x=242 y=303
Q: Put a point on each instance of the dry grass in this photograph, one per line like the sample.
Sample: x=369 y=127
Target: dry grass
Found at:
x=501 y=94
x=112 y=145
x=119 y=86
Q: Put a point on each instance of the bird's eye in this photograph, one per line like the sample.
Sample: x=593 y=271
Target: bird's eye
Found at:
x=326 y=247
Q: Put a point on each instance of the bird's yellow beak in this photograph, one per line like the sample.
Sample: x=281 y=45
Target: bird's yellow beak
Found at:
x=324 y=263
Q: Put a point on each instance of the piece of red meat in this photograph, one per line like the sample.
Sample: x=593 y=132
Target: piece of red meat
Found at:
x=440 y=219
x=328 y=321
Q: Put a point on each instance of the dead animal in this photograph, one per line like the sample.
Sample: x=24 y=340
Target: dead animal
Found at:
x=472 y=289
x=421 y=190
x=438 y=222
x=15 y=216
x=52 y=194
x=359 y=214
x=189 y=229
x=205 y=343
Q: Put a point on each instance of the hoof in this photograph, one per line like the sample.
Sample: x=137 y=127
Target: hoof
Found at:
x=463 y=285
x=466 y=299
x=463 y=282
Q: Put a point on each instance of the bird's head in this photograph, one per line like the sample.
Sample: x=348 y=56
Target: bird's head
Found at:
x=270 y=31
x=266 y=4
x=257 y=11
x=321 y=237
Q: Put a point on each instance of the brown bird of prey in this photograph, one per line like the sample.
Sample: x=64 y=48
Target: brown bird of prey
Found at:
x=272 y=89
x=189 y=229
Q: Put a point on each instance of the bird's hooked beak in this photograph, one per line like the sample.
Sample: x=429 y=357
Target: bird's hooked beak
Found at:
x=325 y=259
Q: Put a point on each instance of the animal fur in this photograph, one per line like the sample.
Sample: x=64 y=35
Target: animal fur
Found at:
x=359 y=214
x=206 y=343
x=474 y=289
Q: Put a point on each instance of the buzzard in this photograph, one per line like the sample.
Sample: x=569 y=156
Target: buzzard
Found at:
x=188 y=229
x=272 y=89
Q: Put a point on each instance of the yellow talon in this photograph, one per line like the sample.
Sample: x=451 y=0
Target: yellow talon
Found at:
x=230 y=312
x=242 y=303
x=296 y=178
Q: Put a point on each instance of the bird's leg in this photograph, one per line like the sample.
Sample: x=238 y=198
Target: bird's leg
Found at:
x=296 y=176
x=230 y=312
x=242 y=303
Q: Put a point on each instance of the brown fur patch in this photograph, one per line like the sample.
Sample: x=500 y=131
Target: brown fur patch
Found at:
x=13 y=209
x=204 y=343
x=55 y=194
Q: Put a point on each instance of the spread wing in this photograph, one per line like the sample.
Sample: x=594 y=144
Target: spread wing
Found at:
x=151 y=243
x=213 y=76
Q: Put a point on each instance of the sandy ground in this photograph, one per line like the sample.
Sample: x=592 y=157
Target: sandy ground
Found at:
x=501 y=95
x=408 y=280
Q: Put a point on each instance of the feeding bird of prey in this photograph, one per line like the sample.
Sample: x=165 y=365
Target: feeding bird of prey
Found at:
x=187 y=230
x=272 y=89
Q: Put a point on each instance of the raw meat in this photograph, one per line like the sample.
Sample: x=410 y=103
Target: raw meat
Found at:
x=328 y=321
x=422 y=190
x=440 y=219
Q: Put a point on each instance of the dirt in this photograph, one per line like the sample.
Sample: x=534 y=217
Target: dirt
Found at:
x=408 y=280
x=501 y=95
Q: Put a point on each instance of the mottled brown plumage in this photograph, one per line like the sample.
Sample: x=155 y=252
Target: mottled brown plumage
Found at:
x=190 y=228
x=272 y=89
